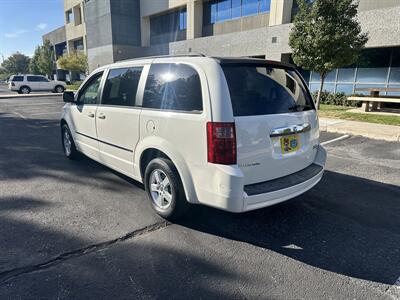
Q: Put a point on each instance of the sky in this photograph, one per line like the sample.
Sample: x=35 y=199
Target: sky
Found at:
x=23 y=22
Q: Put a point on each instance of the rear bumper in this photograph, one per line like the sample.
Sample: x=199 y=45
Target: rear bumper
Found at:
x=277 y=196
x=245 y=198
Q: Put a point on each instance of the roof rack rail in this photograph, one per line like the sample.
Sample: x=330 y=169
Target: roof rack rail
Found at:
x=191 y=54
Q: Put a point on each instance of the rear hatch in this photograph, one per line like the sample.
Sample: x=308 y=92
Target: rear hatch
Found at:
x=276 y=122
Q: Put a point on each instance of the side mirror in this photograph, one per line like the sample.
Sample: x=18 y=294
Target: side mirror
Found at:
x=69 y=97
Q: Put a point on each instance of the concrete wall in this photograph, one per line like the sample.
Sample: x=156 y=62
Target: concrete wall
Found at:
x=262 y=35
x=114 y=31
x=237 y=25
x=255 y=42
x=281 y=12
x=98 y=23
x=152 y=7
x=73 y=31
x=382 y=25
x=56 y=36
x=377 y=4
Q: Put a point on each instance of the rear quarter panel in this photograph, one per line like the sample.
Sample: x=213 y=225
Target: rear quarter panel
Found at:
x=182 y=136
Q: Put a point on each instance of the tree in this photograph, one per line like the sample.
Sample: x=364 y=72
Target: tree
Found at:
x=4 y=75
x=75 y=62
x=17 y=63
x=34 y=63
x=326 y=35
x=45 y=59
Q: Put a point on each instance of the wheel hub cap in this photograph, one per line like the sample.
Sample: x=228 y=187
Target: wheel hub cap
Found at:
x=67 y=143
x=160 y=189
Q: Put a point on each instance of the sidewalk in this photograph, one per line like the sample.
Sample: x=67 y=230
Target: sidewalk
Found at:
x=371 y=130
x=7 y=96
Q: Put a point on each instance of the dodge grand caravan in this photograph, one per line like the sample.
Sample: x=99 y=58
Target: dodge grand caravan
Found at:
x=235 y=134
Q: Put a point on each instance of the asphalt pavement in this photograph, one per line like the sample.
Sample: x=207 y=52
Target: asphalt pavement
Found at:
x=78 y=230
x=4 y=89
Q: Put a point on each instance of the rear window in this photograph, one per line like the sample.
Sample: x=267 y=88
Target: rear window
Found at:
x=173 y=87
x=263 y=90
x=17 y=78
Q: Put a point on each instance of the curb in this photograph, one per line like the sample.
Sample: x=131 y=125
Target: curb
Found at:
x=11 y=96
x=388 y=138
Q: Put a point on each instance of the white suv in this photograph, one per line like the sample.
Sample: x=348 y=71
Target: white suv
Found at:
x=24 y=84
x=235 y=134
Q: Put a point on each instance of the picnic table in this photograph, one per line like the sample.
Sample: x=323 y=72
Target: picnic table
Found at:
x=375 y=99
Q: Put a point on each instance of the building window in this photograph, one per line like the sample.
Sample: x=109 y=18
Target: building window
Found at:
x=375 y=68
x=78 y=15
x=168 y=27
x=78 y=45
x=182 y=20
x=222 y=10
x=69 y=16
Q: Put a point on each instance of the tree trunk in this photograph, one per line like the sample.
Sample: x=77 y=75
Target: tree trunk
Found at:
x=320 y=91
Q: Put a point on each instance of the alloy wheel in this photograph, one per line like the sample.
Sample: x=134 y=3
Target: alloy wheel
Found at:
x=67 y=143
x=160 y=189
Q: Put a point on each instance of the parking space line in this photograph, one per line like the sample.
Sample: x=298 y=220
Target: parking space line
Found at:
x=343 y=137
x=33 y=104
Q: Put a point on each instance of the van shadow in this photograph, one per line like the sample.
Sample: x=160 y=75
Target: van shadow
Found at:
x=346 y=225
x=140 y=269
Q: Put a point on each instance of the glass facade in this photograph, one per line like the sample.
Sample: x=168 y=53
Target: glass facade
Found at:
x=375 y=68
x=222 y=10
x=168 y=27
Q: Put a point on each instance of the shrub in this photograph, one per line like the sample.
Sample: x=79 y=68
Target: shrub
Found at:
x=336 y=99
x=74 y=86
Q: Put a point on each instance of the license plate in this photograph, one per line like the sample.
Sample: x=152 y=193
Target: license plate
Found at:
x=290 y=143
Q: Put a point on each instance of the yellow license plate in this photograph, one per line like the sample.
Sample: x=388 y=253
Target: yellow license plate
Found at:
x=290 y=143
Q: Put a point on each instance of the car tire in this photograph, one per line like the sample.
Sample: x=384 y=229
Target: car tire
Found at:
x=24 y=90
x=59 y=89
x=68 y=143
x=164 y=189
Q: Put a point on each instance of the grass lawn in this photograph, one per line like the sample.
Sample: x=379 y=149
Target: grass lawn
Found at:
x=341 y=112
x=74 y=86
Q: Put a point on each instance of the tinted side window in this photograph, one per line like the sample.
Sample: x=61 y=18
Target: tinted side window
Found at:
x=34 y=78
x=173 y=87
x=262 y=90
x=89 y=94
x=43 y=79
x=17 y=78
x=121 y=86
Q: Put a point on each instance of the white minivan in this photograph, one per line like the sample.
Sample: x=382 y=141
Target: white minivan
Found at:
x=236 y=134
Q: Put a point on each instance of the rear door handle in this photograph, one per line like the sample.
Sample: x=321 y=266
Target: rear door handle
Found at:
x=91 y=115
x=102 y=116
x=290 y=130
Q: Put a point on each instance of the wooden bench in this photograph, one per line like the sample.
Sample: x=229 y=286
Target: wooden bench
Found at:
x=375 y=99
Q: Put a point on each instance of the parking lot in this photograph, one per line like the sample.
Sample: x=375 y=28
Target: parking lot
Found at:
x=76 y=229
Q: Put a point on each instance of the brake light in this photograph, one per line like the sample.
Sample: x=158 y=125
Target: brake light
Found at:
x=12 y=84
x=221 y=143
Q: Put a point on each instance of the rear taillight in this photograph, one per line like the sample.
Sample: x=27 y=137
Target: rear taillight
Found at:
x=221 y=143
x=12 y=84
